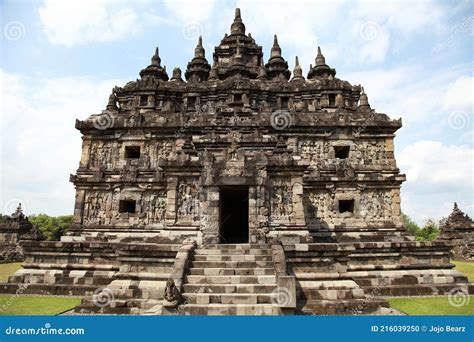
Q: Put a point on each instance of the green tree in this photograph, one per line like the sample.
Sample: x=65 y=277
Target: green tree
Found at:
x=410 y=225
x=429 y=232
x=52 y=227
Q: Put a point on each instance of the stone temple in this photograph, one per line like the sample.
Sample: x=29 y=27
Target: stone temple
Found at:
x=245 y=189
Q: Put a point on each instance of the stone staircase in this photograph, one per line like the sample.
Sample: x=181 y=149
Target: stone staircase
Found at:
x=230 y=279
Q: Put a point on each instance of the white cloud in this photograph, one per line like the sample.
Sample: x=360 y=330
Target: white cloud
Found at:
x=437 y=176
x=459 y=94
x=41 y=145
x=190 y=10
x=69 y=23
x=414 y=93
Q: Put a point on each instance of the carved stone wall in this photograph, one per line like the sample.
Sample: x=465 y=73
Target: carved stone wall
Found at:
x=101 y=208
x=372 y=207
x=187 y=201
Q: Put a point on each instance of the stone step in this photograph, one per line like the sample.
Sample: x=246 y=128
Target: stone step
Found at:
x=228 y=251
x=235 y=279
x=236 y=257
x=124 y=302
x=227 y=298
x=235 y=246
x=231 y=264
x=418 y=289
x=343 y=307
x=228 y=310
x=47 y=289
x=229 y=288
x=231 y=271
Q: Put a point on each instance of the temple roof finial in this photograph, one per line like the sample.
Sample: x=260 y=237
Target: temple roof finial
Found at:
x=176 y=76
x=237 y=27
x=198 y=69
x=320 y=60
x=321 y=69
x=276 y=50
x=199 y=51
x=363 y=100
x=297 y=71
x=156 y=60
x=155 y=69
x=112 y=103
x=237 y=14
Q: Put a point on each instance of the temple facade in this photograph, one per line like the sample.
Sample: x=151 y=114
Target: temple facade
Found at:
x=243 y=188
x=289 y=156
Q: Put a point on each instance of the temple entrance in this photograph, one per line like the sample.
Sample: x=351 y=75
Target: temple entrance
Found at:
x=234 y=215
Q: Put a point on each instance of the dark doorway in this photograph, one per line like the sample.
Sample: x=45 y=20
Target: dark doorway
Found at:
x=234 y=215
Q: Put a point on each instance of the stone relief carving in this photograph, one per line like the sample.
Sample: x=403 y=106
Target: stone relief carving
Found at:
x=187 y=200
x=102 y=208
x=281 y=205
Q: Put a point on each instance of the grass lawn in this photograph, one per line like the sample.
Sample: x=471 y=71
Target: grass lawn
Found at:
x=31 y=305
x=465 y=267
x=431 y=306
x=36 y=305
x=7 y=270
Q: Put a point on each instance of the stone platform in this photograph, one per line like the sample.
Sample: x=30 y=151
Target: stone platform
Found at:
x=235 y=279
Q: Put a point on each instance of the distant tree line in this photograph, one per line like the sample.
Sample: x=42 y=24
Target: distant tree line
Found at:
x=429 y=232
x=53 y=227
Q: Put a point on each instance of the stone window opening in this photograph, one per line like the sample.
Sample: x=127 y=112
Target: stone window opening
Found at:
x=127 y=206
x=191 y=103
x=284 y=102
x=238 y=98
x=332 y=100
x=132 y=152
x=143 y=100
x=346 y=206
x=341 y=152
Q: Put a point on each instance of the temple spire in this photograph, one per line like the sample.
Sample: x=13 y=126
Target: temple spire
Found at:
x=276 y=50
x=199 y=51
x=237 y=27
x=297 y=71
x=112 y=103
x=176 y=76
x=363 y=100
x=277 y=67
x=320 y=60
x=321 y=69
x=156 y=60
x=198 y=69
x=155 y=69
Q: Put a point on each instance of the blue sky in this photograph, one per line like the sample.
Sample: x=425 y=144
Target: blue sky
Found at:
x=60 y=59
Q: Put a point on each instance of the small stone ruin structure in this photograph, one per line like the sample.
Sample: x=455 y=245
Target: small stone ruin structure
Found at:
x=459 y=230
x=14 y=229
